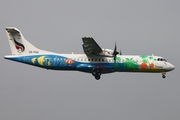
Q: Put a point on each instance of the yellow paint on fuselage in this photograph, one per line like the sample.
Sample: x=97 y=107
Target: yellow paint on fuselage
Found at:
x=33 y=60
x=41 y=60
x=49 y=63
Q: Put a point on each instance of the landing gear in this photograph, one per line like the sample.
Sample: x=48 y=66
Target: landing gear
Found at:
x=163 y=75
x=96 y=73
x=97 y=77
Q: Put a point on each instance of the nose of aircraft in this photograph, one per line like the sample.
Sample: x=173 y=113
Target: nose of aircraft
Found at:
x=171 y=66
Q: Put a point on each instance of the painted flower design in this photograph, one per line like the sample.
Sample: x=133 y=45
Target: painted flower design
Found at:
x=152 y=65
x=143 y=65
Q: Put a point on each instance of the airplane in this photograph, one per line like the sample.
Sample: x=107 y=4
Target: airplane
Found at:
x=96 y=60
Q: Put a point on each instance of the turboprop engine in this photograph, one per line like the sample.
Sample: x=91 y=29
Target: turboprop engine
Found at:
x=107 y=52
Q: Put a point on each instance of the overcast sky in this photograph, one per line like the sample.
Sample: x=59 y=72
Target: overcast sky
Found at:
x=141 y=27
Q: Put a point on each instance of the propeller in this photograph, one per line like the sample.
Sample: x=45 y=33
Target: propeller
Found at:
x=115 y=52
x=120 y=52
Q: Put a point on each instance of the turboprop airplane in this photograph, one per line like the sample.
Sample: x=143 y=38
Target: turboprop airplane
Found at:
x=96 y=60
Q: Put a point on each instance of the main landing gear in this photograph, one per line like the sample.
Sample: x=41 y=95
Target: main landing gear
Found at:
x=97 y=74
x=163 y=75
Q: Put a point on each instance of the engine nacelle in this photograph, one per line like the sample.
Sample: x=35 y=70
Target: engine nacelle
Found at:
x=107 y=52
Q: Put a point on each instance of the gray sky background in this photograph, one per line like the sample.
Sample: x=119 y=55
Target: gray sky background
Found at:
x=142 y=27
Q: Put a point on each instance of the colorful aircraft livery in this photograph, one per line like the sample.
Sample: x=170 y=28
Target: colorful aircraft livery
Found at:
x=96 y=60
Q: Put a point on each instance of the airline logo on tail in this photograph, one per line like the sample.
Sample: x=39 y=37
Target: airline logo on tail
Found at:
x=20 y=47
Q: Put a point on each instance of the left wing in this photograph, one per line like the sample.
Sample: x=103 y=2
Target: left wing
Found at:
x=90 y=46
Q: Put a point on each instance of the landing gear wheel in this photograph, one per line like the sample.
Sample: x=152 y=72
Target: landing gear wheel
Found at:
x=97 y=74
x=163 y=76
x=94 y=73
x=97 y=77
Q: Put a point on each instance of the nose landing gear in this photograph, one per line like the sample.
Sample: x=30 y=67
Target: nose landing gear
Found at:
x=163 y=75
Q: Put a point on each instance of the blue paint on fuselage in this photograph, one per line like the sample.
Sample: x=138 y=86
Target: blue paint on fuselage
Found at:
x=57 y=62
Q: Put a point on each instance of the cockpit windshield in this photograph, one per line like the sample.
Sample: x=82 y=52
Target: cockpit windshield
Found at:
x=161 y=59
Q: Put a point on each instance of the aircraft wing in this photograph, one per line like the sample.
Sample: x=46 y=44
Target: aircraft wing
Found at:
x=90 y=46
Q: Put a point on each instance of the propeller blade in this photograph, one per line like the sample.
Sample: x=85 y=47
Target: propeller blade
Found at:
x=114 y=57
x=120 y=52
x=114 y=52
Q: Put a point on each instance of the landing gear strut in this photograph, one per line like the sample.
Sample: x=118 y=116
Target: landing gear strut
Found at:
x=96 y=73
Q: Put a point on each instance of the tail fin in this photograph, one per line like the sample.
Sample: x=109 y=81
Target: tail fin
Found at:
x=18 y=44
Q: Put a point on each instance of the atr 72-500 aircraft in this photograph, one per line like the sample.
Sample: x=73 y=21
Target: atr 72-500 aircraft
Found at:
x=96 y=60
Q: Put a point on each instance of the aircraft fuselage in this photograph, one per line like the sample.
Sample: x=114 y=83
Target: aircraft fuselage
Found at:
x=80 y=62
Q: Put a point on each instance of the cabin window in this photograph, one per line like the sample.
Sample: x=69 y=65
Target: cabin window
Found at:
x=95 y=59
x=99 y=59
x=88 y=59
x=102 y=59
x=91 y=59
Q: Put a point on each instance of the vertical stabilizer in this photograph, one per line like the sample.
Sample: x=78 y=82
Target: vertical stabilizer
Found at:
x=18 y=44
